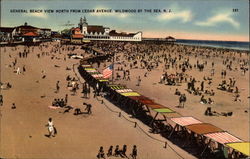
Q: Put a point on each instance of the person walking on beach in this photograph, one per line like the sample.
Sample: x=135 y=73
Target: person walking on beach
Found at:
x=18 y=71
x=13 y=106
x=24 y=69
x=202 y=86
x=138 y=81
x=124 y=150
x=66 y=99
x=182 y=100
x=1 y=100
x=51 y=128
x=134 y=152
x=88 y=108
x=57 y=87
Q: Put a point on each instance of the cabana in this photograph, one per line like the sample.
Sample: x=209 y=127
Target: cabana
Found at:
x=161 y=111
x=203 y=128
x=198 y=130
x=130 y=94
x=181 y=122
x=221 y=138
x=241 y=147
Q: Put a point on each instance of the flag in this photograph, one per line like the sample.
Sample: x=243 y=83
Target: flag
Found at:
x=108 y=71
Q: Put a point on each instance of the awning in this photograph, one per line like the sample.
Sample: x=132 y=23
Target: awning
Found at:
x=136 y=97
x=31 y=34
x=163 y=110
x=139 y=97
x=86 y=41
x=124 y=90
x=130 y=94
x=77 y=36
x=155 y=106
x=203 y=128
x=89 y=69
x=243 y=147
x=115 y=87
x=146 y=101
x=184 y=121
x=223 y=137
x=94 y=72
x=103 y=80
x=97 y=75
x=172 y=115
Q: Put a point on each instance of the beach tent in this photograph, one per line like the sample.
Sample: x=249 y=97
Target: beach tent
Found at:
x=97 y=75
x=172 y=115
x=242 y=147
x=123 y=90
x=86 y=66
x=115 y=87
x=146 y=101
x=203 y=128
x=163 y=110
x=155 y=106
x=183 y=121
x=90 y=71
x=223 y=137
x=89 y=68
x=130 y=94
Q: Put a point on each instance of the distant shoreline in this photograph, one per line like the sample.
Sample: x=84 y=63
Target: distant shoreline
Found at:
x=211 y=44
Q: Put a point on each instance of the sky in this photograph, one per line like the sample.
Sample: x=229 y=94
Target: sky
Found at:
x=226 y=20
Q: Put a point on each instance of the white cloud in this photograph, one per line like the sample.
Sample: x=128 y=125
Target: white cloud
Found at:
x=38 y=15
x=219 y=18
x=184 y=16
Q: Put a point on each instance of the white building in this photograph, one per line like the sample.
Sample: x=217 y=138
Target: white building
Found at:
x=98 y=32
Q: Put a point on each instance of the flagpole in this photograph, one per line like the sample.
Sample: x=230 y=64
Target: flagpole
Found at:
x=113 y=61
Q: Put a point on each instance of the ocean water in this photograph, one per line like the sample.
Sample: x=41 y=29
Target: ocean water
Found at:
x=236 y=45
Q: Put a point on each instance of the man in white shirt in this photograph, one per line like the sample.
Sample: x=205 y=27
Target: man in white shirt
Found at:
x=51 y=128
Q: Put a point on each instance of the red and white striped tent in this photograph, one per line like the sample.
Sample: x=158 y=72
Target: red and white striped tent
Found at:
x=184 y=121
x=223 y=137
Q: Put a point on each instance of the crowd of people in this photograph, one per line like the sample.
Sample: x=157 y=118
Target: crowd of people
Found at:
x=117 y=152
x=176 y=63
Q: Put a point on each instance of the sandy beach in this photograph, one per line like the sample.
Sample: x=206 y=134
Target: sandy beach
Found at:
x=80 y=136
